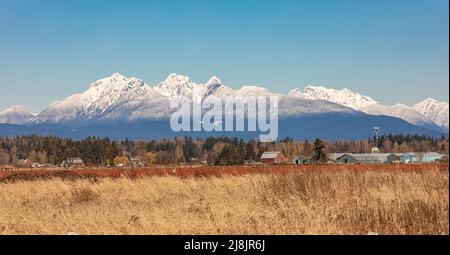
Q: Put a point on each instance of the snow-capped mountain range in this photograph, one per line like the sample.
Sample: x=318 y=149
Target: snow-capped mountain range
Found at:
x=344 y=96
x=428 y=113
x=118 y=98
x=16 y=115
x=434 y=110
x=112 y=98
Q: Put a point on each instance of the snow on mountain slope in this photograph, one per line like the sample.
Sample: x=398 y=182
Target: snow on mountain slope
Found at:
x=429 y=113
x=223 y=91
x=215 y=87
x=403 y=112
x=118 y=98
x=112 y=98
x=344 y=97
x=16 y=115
x=181 y=87
x=218 y=89
x=434 y=110
x=290 y=106
x=254 y=91
x=212 y=85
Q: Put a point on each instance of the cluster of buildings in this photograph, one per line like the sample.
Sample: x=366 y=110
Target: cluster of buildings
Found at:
x=378 y=158
x=277 y=157
x=74 y=162
x=27 y=163
x=67 y=163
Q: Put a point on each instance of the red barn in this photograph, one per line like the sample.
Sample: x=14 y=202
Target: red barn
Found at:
x=273 y=157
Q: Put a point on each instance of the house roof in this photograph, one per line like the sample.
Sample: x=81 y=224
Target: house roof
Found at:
x=335 y=156
x=72 y=158
x=432 y=154
x=381 y=156
x=368 y=156
x=269 y=154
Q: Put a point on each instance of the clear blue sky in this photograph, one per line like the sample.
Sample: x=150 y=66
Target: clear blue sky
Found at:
x=392 y=50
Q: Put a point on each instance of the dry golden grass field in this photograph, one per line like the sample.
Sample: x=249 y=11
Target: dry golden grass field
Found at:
x=311 y=200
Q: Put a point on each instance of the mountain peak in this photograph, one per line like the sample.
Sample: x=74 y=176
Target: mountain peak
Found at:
x=315 y=87
x=173 y=77
x=115 y=77
x=430 y=101
x=214 y=80
x=399 y=105
x=344 y=96
x=17 y=114
x=16 y=108
x=434 y=110
x=252 y=88
x=176 y=85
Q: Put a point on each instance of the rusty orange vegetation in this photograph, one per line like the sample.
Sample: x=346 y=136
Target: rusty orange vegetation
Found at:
x=204 y=171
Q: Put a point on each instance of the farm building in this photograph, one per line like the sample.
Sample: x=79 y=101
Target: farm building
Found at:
x=373 y=158
x=137 y=162
x=334 y=156
x=431 y=157
x=24 y=163
x=365 y=158
x=72 y=162
x=7 y=167
x=273 y=157
x=346 y=159
x=250 y=162
x=393 y=158
x=408 y=158
x=299 y=160
x=421 y=157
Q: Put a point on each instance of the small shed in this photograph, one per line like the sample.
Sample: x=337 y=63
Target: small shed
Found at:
x=273 y=157
x=297 y=160
x=249 y=162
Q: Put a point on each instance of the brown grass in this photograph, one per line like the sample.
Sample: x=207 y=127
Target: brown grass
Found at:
x=301 y=202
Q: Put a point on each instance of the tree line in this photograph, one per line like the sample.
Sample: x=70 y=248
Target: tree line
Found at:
x=97 y=151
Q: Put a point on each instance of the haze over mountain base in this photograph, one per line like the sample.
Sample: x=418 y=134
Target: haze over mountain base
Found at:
x=330 y=126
